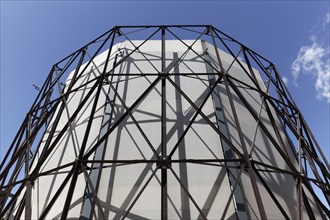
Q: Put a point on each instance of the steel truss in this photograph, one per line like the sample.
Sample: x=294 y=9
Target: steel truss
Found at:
x=17 y=176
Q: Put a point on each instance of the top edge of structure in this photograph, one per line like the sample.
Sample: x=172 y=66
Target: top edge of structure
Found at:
x=210 y=31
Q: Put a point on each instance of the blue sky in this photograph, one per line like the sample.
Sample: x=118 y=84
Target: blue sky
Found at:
x=292 y=34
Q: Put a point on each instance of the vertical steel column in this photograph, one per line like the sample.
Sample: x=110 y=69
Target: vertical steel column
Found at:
x=299 y=188
x=163 y=134
x=240 y=134
x=28 y=208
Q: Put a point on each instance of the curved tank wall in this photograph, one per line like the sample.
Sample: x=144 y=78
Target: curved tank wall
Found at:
x=125 y=174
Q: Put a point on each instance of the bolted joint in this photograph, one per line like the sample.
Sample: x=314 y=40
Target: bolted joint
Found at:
x=163 y=75
x=247 y=158
x=117 y=31
x=247 y=162
x=78 y=164
x=208 y=29
x=164 y=162
x=30 y=180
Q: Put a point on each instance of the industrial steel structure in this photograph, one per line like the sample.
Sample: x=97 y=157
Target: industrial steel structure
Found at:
x=142 y=123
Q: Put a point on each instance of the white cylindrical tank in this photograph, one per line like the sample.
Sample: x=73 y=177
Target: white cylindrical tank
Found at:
x=122 y=176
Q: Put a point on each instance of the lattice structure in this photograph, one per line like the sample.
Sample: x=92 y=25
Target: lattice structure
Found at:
x=142 y=124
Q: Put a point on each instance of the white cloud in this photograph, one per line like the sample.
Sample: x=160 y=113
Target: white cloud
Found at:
x=314 y=60
x=285 y=80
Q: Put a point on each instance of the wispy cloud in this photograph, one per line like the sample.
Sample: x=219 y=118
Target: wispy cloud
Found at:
x=314 y=60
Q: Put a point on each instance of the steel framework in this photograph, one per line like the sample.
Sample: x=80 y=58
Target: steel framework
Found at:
x=38 y=137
